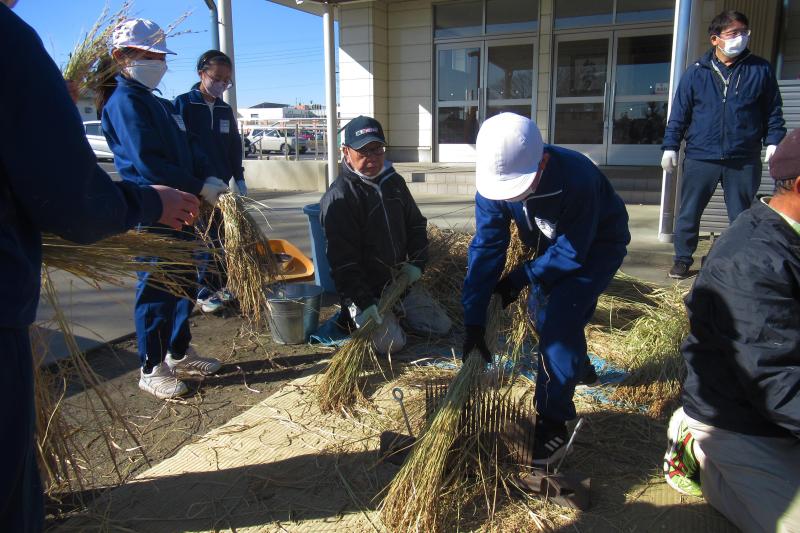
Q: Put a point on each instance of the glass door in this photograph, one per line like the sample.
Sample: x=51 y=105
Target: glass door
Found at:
x=580 y=92
x=458 y=94
x=477 y=80
x=639 y=96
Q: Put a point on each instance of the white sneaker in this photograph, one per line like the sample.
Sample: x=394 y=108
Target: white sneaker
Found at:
x=211 y=304
x=162 y=383
x=225 y=295
x=192 y=364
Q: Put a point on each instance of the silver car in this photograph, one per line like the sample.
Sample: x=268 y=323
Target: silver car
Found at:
x=94 y=134
x=273 y=140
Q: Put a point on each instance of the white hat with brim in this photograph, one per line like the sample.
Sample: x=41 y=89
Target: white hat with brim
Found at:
x=509 y=150
x=142 y=34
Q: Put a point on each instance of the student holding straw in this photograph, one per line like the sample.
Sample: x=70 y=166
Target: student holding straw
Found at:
x=212 y=123
x=74 y=199
x=150 y=144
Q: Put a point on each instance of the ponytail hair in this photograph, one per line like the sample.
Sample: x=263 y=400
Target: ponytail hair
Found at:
x=105 y=82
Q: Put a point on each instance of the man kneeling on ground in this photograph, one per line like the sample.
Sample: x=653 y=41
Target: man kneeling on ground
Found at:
x=374 y=228
x=736 y=440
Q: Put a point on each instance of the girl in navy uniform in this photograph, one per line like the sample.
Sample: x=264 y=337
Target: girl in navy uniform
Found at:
x=212 y=124
x=151 y=145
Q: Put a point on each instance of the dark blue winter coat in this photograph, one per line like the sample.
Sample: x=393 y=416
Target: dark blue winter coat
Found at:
x=573 y=211
x=54 y=186
x=718 y=124
x=217 y=134
x=149 y=140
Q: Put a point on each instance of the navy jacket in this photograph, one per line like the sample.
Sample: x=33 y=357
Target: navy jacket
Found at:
x=573 y=212
x=149 y=140
x=217 y=134
x=371 y=226
x=743 y=350
x=55 y=187
x=718 y=124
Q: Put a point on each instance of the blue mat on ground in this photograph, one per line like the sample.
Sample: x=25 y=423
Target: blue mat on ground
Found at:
x=329 y=334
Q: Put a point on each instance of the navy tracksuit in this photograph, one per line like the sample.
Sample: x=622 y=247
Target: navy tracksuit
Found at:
x=725 y=115
x=216 y=133
x=74 y=199
x=579 y=227
x=151 y=146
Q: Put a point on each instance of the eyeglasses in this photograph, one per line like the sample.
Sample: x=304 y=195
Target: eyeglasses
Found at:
x=732 y=34
x=366 y=152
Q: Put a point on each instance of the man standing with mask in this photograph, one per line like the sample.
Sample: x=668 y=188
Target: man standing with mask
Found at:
x=374 y=229
x=727 y=106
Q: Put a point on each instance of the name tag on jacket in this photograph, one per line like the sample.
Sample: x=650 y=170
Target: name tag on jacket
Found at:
x=179 y=122
x=224 y=126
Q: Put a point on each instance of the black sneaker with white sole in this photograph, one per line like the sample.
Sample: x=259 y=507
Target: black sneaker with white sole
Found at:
x=679 y=270
x=589 y=377
x=549 y=442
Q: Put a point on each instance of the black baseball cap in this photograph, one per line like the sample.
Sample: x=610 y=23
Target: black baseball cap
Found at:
x=361 y=131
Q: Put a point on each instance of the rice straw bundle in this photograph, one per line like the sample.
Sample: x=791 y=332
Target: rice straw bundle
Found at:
x=83 y=67
x=113 y=260
x=63 y=461
x=340 y=386
x=250 y=263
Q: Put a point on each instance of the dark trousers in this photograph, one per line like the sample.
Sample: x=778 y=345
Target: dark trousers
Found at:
x=560 y=320
x=740 y=180
x=209 y=281
x=162 y=318
x=21 y=502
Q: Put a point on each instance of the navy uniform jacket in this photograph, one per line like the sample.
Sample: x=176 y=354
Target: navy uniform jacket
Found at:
x=573 y=211
x=719 y=124
x=149 y=140
x=51 y=184
x=217 y=134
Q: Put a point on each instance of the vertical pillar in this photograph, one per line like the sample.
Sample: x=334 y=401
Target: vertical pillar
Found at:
x=330 y=92
x=670 y=180
x=226 y=47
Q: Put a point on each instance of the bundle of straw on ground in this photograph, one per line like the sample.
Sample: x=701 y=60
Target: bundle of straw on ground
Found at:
x=114 y=260
x=250 y=263
x=83 y=68
x=341 y=387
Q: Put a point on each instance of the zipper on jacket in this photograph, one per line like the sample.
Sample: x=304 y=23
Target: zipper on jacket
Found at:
x=725 y=84
x=377 y=187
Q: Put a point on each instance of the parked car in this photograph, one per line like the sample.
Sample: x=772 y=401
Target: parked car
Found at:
x=94 y=134
x=272 y=140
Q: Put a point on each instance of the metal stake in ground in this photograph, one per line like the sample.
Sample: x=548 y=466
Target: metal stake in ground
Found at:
x=397 y=392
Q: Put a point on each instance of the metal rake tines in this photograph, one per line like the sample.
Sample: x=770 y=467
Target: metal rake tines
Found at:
x=499 y=421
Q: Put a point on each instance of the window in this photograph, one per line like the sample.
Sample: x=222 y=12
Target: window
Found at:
x=88 y=110
x=253 y=115
x=461 y=19
x=579 y=13
x=94 y=129
x=645 y=10
x=509 y=16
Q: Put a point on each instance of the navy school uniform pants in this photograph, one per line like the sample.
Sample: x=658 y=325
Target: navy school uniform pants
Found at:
x=560 y=318
x=21 y=501
x=210 y=282
x=162 y=318
x=740 y=181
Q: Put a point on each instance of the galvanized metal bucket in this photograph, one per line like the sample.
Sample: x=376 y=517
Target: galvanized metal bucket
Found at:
x=293 y=311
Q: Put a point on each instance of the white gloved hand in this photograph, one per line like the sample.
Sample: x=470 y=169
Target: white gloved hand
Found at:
x=238 y=187
x=770 y=152
x=669 y=161
x=212 y=188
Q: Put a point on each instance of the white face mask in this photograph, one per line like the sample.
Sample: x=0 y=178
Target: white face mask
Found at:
x=734 y=46
x=148 y=72
x=215 y=88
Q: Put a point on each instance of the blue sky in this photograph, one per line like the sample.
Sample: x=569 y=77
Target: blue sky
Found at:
x=279 y=54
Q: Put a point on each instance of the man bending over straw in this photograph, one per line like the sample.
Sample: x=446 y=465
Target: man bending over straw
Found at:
x=567 y=211
x=736 y=440
x=374 y=229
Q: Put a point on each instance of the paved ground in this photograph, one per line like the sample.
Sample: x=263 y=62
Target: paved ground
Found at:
x=105 y=315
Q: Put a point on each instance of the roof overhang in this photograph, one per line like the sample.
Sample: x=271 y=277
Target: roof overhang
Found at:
x=316 y=7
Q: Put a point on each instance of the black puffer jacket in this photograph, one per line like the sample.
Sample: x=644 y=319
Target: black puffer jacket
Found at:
x=743 y=351
x=371 y=226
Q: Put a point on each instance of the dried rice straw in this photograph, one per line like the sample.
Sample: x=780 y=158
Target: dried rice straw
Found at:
x=340 y=387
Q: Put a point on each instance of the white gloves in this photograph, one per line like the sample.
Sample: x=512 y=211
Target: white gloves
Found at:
x=238 y=187
x=212 y=188
x=770 y=151
x=669 y=161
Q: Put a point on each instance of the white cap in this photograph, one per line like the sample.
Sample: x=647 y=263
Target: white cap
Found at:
x=509 y=149
x=142 y=34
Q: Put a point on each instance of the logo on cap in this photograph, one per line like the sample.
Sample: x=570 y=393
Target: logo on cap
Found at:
x=359 y=133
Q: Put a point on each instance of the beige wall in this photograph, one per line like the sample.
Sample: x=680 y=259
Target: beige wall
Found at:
x=545 y=65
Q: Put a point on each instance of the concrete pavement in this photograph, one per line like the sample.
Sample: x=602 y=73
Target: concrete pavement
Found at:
x=101 y=316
